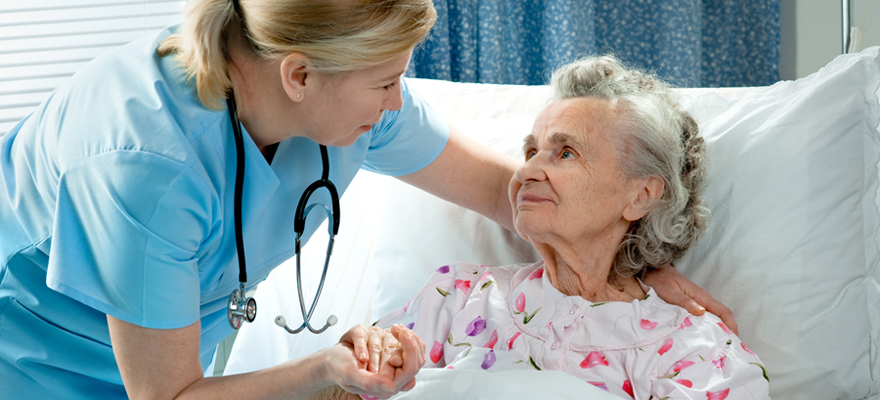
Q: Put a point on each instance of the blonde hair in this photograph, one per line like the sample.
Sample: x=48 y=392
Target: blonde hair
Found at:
x=337 y=35
x=656 y=138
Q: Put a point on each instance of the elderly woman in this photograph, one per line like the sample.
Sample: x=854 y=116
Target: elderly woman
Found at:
x=610 y=187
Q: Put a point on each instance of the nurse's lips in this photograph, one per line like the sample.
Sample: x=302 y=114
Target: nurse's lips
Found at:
x=370 y=126
x=363 y=129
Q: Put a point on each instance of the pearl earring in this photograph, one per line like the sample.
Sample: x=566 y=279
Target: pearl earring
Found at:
x=298 y=95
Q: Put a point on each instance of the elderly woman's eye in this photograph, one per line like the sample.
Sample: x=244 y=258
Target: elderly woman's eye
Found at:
x=567 y=154
x=530 y=154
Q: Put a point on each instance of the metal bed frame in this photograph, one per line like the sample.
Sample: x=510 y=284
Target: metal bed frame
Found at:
x=846 y=23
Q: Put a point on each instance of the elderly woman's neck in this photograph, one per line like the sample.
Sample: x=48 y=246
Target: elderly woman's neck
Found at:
x=584 y=272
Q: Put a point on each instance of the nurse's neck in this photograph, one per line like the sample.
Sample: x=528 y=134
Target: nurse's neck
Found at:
x=259 y=97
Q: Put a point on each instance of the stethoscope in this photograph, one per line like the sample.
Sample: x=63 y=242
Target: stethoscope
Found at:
x=242 y=308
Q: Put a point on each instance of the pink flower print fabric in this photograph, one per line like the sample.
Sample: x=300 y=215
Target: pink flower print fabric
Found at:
x=719 y=395
x=647 y=325
x=628 y=388
x=593 y=359
x=492 y=340
x=503 y=318
x=666 y=346
x=520 y=303
x=436 y=352
x=511 y=340
x=681 y=365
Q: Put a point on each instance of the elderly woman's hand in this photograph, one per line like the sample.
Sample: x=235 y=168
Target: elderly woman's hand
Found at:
x=388 y=356
x=675 y=288
x=385 y=360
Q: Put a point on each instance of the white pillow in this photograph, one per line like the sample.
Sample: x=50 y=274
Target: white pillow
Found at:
x=792 y=244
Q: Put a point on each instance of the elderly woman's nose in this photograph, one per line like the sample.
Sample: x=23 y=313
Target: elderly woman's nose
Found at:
x=530 y=171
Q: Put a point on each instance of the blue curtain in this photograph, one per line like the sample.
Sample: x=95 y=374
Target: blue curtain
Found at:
x=691 y=43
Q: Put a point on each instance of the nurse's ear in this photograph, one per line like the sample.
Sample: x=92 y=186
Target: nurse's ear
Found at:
x=296 y=75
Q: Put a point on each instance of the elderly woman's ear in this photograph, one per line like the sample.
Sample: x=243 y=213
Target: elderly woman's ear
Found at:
x=645 y=192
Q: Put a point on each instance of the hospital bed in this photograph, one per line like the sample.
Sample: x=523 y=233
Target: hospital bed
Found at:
x=792 y=247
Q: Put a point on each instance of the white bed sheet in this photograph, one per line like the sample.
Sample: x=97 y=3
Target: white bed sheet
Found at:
x=441 y=384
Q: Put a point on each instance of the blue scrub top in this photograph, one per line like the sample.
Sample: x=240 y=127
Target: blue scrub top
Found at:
x=116 y=197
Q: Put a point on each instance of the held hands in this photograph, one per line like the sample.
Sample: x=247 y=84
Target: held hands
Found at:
x=377 y=362
x=675 y=288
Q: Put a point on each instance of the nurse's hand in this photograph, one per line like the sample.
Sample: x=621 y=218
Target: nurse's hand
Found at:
x=675 y=288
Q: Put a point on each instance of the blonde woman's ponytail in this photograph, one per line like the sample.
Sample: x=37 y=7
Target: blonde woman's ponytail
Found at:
x=200 y=45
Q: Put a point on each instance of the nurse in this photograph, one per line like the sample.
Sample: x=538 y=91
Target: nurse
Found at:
x=117 y=241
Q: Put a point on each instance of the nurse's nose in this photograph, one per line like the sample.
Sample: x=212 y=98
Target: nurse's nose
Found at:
x=393 y=100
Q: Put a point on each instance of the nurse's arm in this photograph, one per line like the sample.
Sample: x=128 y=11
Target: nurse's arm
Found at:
x=164 y=364
x=470 y=175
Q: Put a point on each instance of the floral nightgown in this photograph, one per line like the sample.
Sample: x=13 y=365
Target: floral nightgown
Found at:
x=512 y=317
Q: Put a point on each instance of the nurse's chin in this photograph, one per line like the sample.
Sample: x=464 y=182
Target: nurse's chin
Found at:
x=352 y=138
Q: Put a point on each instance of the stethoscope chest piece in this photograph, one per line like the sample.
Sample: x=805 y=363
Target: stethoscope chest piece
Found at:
x=240 y=308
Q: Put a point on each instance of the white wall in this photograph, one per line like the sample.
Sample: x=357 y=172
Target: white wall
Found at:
x=43 y=42
x=811 y=33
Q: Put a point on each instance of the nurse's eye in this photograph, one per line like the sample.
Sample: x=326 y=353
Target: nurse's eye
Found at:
x=390 y=85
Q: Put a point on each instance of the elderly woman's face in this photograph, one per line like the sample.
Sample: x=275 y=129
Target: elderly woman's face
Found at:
x=571 y=186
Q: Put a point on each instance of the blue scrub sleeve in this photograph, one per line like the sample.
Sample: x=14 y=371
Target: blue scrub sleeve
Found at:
x=129 y=227
x=407 y=140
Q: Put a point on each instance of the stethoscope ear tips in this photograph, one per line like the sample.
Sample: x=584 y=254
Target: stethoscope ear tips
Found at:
x=280 y=321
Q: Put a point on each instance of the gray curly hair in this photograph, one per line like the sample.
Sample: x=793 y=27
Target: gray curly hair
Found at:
x=655 y=138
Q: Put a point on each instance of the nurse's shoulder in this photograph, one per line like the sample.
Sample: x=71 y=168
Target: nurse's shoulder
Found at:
x=126 y=100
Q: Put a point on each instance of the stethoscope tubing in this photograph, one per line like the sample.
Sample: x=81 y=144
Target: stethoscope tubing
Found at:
x=308 y=317
x=299 y=221
x=242 y=308
x=239 y=185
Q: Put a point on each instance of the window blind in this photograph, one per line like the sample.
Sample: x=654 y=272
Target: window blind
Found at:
x=43 y=42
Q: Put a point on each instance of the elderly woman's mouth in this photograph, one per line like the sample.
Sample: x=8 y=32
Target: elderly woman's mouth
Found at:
x=531 y=198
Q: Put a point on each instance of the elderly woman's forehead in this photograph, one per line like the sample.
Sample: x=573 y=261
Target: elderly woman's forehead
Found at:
x=581 y=106
x=579 y=114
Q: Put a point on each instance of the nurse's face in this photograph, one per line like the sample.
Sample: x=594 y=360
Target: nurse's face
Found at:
x=348 y=104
